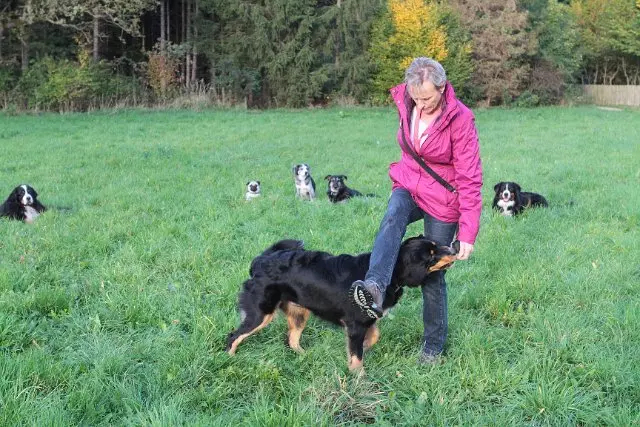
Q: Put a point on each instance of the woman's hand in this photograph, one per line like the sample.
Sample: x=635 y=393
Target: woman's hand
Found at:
x=465 y=250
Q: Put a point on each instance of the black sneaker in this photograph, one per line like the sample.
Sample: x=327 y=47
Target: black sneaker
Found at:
x=367 y=297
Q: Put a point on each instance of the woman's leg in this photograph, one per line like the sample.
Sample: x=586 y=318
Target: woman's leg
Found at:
x=434 y=291
x=401 y=211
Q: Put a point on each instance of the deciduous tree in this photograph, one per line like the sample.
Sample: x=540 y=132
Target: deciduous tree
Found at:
x=85 y=16
x=413 y=28
x=558 y=55
x=500 y=46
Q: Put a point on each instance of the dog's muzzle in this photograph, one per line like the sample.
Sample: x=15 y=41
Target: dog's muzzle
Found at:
x=444 y=263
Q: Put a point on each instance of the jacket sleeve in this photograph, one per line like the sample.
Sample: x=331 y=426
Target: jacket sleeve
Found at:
x=468 y=175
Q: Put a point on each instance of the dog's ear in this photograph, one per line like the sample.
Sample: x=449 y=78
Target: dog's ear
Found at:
x=258 y=182
x=295 y=169
x=32 y=191
x=344 y=177
x=247 y=182
x=328 y=177
x=308 y=167
x=496 y=187
x=517 y=187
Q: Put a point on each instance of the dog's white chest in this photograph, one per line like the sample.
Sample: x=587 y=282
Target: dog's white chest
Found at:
x=305 y=190
x=30 y=214
x=505 y=207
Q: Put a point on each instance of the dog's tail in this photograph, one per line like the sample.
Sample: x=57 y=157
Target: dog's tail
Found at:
x=284 y=245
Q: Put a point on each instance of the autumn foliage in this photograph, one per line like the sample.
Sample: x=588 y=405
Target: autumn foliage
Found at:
x=412 y=28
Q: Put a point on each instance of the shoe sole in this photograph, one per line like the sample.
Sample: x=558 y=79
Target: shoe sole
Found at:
x=363 y=300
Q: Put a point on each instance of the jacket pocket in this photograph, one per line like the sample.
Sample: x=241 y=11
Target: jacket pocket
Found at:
x=434 y=192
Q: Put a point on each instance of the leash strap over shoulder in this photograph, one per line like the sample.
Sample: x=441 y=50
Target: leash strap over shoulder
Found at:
x=421 y=162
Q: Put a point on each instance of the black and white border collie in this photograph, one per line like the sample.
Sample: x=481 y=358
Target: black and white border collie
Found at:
x=305 y=185
x=337 y=190
x=510 y=200
x=253 y=190
x=22 y=204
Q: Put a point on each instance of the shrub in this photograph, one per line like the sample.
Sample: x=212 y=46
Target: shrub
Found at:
x=527 y=99
x=161 y=74
x=65 y=85
x=8 y=79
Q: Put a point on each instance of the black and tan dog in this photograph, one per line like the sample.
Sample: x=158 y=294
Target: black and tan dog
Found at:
x=337 y=190
x=511 y=200
x=301 y=282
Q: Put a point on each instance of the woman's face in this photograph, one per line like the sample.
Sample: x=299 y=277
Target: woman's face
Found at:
x=426 y=96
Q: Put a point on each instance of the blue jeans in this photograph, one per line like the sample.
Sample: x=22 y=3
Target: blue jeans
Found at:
x=402 y=211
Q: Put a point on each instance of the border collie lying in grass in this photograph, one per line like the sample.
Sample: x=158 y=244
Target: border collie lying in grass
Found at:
x=511 y=200
x=22 y=204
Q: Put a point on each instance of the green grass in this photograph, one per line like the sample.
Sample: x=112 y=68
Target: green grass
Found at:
x=116 y=311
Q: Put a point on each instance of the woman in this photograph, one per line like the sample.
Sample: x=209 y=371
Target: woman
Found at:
x=441 y=132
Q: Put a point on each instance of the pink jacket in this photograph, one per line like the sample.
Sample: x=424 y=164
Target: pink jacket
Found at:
x=452 y=151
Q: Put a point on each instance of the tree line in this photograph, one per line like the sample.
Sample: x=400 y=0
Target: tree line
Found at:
x=79 y=54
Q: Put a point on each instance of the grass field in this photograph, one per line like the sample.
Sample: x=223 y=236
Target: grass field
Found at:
x=115 y=304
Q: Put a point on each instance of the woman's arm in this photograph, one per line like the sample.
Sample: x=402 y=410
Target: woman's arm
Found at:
x=468 y=174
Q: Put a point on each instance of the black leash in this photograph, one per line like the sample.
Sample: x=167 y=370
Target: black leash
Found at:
x=421 y=162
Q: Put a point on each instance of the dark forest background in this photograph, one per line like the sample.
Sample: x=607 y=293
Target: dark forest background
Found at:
x=82 y=54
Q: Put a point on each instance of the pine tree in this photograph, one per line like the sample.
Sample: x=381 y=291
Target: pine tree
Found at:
x=342 y=38
x=263 y=51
